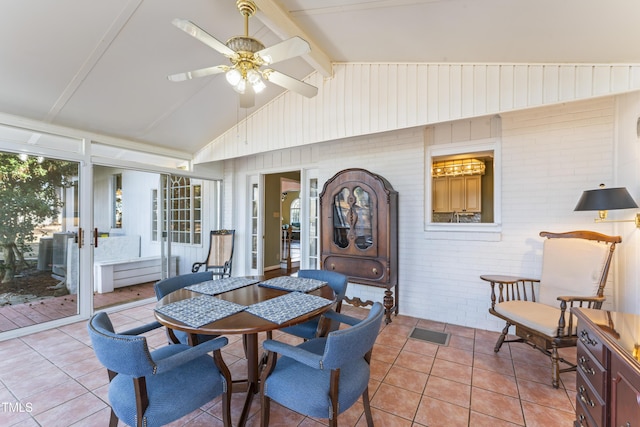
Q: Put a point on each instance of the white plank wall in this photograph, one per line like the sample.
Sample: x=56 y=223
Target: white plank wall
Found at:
x=362 y=99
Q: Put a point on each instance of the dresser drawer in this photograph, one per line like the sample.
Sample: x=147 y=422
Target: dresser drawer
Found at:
x=583 y=419
x=592 y=343
x=592 y=370
x=368 y=269
x=589 y=399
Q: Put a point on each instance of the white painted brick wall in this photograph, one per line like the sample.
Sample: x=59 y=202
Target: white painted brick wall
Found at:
x=550 y=155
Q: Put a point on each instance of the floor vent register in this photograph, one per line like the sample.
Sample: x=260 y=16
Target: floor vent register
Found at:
x=435 y=337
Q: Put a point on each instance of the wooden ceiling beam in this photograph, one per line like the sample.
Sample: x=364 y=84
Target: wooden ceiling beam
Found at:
x=279 y=21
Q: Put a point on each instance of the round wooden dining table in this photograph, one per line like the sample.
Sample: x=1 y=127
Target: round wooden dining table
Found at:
x=245 y=323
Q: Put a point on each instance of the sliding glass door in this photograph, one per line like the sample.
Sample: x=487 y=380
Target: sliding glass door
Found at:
x=40 y=239
x=149 y=226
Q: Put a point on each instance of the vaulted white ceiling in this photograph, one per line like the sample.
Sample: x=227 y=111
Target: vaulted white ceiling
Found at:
x=101 y=66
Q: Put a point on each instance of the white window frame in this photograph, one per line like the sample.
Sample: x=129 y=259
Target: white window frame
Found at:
x=484 y=231
x=193 y=234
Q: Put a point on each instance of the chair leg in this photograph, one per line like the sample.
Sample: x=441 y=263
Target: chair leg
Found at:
x=334 y=387
x=113 y=420
x=501 y=338
x=264 y=414
x=367 y=407
x=555 y=366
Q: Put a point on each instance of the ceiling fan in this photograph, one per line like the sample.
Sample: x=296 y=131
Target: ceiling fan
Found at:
x=248 y=56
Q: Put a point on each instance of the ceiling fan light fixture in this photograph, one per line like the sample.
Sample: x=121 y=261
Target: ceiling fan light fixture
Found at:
x=247 y=56
x=253 y=76
x=259 y=86
x=241 y=86
x=233 y=76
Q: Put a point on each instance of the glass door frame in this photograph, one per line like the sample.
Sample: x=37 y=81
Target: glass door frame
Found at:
x=255 y=232
x=307 y=230
x=84 y=296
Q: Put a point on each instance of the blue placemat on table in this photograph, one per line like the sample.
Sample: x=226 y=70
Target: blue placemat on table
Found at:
x=294 y=284
x=288 y=306
x=199 y=311
x=219 y=286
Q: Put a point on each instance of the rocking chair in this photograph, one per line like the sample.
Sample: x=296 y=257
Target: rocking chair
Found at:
x=220 y=257
x=575 y=267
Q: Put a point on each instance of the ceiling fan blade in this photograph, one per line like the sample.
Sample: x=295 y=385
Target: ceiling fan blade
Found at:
x=295 y=46
x=290 y=83
x=180 y=77
x=200 y=34
x=247 y=99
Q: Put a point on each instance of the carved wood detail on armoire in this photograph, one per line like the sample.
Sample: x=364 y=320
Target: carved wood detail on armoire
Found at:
x=359 y=228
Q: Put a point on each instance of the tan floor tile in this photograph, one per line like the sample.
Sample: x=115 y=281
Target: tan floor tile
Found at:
x=392 y=339
x=382 y=418
x=496 y=405
x=543 y=416
x=521 y=352
x=456 y=355
x=491 y=362
x=545 y=394
x=493 y=381
x=461 y=342
x=71 y=411
x=406 y=378
x=385 y=353
x=396 y=401
x=477 y=419
x=487 y=346
x=461 y=331
x=431 y=324
x=449 y=391
x=452 y=371
x=379 y=369
x=421 y=347
x=415 y=361
x=433 y=412
x=533 y=372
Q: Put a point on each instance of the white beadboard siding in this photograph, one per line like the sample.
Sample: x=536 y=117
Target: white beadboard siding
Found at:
x=363 y=99
x=550 y=155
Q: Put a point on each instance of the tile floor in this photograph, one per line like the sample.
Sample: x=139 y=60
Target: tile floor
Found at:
x=53 y=379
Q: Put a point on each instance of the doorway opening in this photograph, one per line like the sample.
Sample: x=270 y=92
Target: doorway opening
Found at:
x=282 y=222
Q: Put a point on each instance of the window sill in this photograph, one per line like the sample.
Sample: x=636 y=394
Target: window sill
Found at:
x=460 y=231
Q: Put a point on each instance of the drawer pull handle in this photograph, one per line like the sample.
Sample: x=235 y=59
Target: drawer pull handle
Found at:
x=584 y=337
x=583 y=368
x=586 y=401
x=581 y=419
x=333 y=266
x=374 y=270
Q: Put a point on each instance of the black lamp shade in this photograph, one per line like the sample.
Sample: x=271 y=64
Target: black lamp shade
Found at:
x=604 y=199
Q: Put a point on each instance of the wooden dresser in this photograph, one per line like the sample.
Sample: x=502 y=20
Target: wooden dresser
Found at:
x=608 y=369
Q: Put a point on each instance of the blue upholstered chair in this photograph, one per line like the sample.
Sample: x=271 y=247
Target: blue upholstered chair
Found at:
x=322 y=377
x=166 y=286
x=155 y=388
x=338 y=283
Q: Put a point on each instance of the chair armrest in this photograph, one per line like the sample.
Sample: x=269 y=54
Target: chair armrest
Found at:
x=585 y=299
x=196 y=266
x=511 y=288
x=142 y=329
x=342 y=318
x=189 y=354
x=303 y=356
